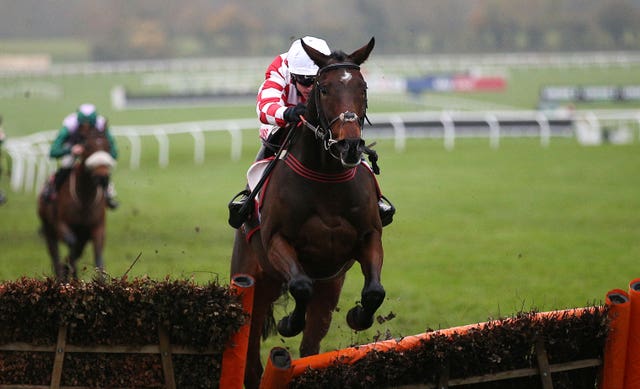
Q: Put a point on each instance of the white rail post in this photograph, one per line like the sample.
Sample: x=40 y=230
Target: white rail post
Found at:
x=198 y=145
x=30 y=175
x=494 y=130
x=163 y=147
x=449 y=130
x=399 y=133
x=17 y=170
x=236 y=140
x=134 y=140
x=44 y=166
x=545 y=130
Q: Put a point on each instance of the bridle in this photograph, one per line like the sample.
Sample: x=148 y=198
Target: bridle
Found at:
x=323 y=130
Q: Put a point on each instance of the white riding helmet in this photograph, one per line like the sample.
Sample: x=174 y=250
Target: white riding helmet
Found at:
x=299 y=61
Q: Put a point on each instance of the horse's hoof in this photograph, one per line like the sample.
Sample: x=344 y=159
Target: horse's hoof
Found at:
x=360 y=317
x=287 y=329
x=357 y=320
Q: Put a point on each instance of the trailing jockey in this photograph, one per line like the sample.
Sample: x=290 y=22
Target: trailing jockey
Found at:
x=68 y=146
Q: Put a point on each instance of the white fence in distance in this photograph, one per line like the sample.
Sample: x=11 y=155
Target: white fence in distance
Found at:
x=31 y=164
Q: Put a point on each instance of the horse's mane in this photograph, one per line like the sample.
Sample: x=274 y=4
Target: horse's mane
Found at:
x=339 y=55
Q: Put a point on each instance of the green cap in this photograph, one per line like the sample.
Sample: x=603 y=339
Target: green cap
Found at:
x=87 y=114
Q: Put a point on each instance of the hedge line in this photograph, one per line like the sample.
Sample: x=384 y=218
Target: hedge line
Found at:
x=500 y=346
x=116 y=312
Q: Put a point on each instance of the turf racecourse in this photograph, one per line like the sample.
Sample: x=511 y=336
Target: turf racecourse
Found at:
x=479 y=232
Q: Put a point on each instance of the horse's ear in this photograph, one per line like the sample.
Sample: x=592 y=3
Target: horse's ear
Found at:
x=361 y=55
x=316 y=56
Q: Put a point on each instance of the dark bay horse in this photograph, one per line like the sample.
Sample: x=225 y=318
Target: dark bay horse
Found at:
x=78 y=213
x=318 y=216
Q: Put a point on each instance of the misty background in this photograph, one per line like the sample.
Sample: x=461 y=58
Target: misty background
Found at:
x=109 y=30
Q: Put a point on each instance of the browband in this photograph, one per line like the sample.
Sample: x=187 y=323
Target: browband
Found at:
x=340 y=65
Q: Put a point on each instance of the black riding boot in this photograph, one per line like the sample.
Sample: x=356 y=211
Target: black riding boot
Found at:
x=59 y=178
x=112 y=203
x=387 y=210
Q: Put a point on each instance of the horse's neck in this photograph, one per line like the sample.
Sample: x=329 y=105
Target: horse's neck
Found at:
x=81 y=184
x=311 y=153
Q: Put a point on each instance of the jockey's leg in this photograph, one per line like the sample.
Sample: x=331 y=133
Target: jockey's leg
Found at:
x=58 y=179
x=267 y=149
x=387 y=210
x=385 y=207
x=66 y=164
x=112 y=203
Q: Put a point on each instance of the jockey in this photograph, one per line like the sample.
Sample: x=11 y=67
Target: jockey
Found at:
x=67 y=147
x=282 y=98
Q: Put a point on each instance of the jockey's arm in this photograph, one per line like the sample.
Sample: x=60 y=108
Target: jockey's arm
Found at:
x=271 y=100
x=59 y=147
x=112 y=143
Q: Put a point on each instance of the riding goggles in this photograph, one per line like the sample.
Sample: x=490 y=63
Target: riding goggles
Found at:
x=303 y=80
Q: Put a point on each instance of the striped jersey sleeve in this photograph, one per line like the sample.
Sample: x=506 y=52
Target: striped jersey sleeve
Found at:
x=275 y=94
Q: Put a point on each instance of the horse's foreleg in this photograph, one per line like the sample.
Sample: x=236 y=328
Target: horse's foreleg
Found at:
x=75 y=252
x=283 y=258
x=319 y=311
x=59 y=268
x=360 y=317
x=98 y=237
x=65 y=234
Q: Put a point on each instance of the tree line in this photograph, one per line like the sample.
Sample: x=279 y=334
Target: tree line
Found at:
x=145 y=29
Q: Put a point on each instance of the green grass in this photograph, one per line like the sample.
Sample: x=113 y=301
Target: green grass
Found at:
x=479 y=232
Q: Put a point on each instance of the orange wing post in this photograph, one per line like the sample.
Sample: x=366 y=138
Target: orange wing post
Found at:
x=234 y=358
x=615 y=351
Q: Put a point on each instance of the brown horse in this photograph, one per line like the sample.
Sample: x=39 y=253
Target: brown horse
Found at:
x=78 y=213
x=318 y=216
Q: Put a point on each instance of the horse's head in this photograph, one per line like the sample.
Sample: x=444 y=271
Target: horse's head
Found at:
x=338 y=101
x=96 y=157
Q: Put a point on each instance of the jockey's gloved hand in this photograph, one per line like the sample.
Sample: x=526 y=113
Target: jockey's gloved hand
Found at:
x=292 y=114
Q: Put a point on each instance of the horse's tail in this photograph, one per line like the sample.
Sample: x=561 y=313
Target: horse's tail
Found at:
x=269 y=327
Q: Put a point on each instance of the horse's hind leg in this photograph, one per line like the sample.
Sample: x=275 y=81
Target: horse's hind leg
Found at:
x=245 y=261
x=360 y=317
x=326 y=295
x=97 y=236
x=266 y=292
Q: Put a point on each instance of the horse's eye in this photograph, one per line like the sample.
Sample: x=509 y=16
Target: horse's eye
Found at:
x=323 y=89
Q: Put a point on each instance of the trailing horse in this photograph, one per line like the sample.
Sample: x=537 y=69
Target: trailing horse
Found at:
x=318 y=215
x=77 y=215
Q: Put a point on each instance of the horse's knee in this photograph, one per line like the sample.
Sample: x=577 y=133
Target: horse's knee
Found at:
x=372 y=297
x=301 y=288
x=69 y=238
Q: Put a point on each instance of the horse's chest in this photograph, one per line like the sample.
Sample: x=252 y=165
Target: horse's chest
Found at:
x=326 y=238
